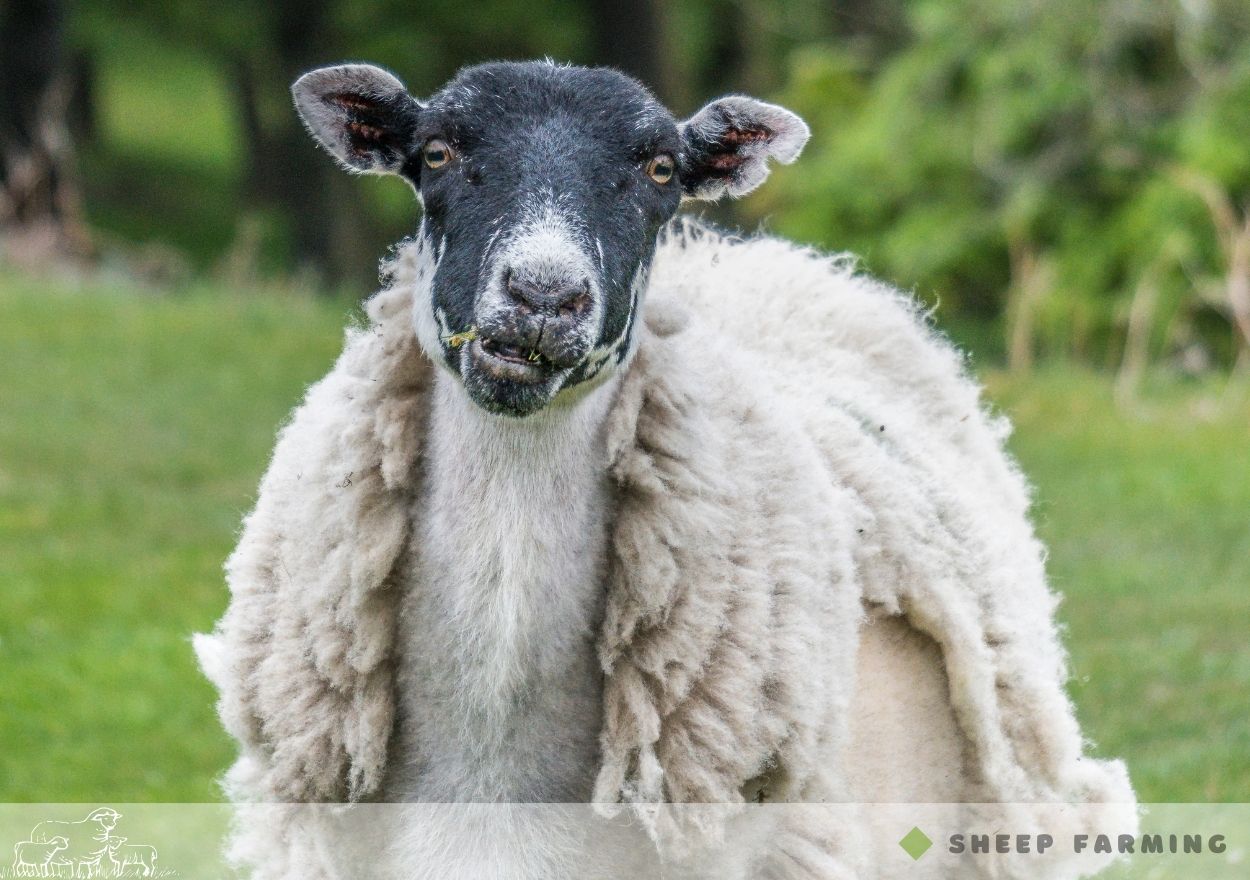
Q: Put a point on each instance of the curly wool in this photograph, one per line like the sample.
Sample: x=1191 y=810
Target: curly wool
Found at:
x=790 y=443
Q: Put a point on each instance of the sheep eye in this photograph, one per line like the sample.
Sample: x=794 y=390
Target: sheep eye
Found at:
x=661 y=168
x=436 y=153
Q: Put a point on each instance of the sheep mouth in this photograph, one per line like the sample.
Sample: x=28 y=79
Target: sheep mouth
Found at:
x=510 y=363
x=502 y=378
x=513 y=354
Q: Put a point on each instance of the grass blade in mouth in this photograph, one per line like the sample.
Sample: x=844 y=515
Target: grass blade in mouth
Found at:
x=455 y=340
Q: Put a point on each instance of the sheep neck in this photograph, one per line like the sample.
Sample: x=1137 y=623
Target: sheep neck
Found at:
x=500 y=684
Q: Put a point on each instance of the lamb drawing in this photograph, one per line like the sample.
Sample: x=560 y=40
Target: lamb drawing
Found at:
x=639 y=514
x=131 y=859
x=33 y=859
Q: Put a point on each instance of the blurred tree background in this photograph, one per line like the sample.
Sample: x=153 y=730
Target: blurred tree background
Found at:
x=1066 y=180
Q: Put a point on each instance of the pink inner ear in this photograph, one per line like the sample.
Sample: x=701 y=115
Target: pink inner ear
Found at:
x=726 y=158
x=364 y=135
x=366 y=132
x=738 y=136
x=349 y=101
x=724 y=161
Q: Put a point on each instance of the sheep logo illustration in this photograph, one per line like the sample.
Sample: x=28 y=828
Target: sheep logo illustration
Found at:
x=86 y=848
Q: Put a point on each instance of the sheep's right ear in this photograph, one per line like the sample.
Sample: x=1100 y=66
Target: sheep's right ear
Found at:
x=726 y=146
x=361 y=114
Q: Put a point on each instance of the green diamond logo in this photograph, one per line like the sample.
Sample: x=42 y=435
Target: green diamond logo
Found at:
x=916 y=843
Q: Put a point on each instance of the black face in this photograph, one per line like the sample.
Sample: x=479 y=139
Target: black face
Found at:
x=544 y=189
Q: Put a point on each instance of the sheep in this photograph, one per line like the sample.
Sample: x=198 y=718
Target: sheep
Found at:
x=122 y=856
x=86 y=838
x=603 y=506
x=32 y=859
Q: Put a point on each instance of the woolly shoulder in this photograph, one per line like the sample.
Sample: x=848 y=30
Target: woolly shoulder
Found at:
x=830 y=333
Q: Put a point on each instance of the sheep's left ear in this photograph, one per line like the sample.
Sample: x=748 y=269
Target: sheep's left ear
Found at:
x=726 y=146
x=361 y=114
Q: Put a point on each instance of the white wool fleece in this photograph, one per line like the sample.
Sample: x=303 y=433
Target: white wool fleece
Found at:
x=790 y=443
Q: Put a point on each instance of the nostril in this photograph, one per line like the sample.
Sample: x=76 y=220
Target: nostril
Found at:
x=522 y=295
x=578 y=305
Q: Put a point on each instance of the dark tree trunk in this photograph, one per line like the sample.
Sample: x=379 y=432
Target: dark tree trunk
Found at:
x=729 y=55
x=83 y=120
x=40 y=213
x=257 y=146
x=630 y=37
x=299 y=177
x=879 y=26
x=329 y=230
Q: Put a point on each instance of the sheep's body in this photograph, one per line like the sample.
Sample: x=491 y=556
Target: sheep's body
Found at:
x=499 y=687
x=790 y=447
x=135 y=859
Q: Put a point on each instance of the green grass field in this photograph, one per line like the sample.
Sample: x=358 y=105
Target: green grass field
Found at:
x=134 y=427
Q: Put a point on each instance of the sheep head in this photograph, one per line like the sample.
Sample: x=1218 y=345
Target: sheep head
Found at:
x=544 y=189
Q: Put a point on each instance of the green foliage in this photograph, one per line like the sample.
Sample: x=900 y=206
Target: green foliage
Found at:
x=1008 y=136
x=1033 y=164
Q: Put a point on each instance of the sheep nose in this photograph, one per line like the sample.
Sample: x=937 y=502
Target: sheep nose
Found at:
x=556 y=298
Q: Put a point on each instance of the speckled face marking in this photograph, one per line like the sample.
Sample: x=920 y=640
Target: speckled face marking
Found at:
x=544 y=188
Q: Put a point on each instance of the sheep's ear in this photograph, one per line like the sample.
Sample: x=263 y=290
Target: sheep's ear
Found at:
x=361 y=114
x=726 y=146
